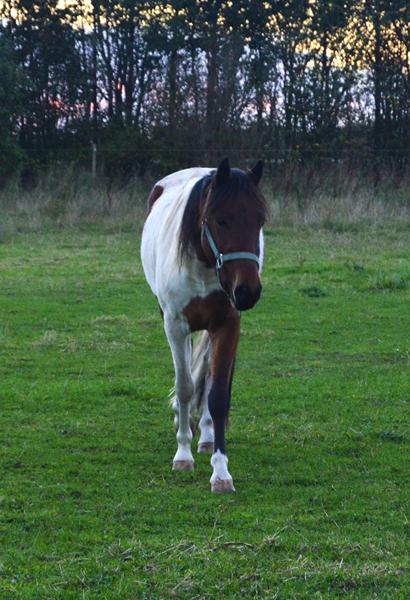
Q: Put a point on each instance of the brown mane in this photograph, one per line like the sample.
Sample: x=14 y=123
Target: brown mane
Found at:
x=153 y=197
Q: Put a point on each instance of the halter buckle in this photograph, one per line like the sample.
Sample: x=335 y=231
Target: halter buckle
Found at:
x=219 y=261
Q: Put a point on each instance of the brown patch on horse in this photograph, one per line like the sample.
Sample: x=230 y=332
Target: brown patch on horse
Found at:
x=209 y=313
x=224 y=343
x=216 y=314
x=154 y=195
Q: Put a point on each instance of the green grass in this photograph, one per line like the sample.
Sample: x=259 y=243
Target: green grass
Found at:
x=318 y=443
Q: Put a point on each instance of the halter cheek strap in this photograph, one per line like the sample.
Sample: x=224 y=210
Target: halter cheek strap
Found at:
x=223 y=258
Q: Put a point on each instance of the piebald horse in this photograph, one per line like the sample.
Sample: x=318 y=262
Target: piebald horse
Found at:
x=202 y=254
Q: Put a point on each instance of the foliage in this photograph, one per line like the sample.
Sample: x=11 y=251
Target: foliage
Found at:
x=194 y=81
x=11 y=103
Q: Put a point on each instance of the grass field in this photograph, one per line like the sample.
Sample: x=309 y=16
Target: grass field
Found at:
x=318 y=443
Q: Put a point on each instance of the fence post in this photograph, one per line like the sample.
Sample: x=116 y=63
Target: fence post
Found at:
x=93 y=160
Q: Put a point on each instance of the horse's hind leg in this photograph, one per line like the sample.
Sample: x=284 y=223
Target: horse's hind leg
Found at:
x=206 y=439
x=199 y=405
x=175 y=407
x=180 y=344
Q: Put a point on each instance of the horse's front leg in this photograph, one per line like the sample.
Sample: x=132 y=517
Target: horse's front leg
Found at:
x=224 y=343
x=180 y=343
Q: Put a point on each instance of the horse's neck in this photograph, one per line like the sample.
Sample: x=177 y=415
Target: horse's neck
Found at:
x=173 y=282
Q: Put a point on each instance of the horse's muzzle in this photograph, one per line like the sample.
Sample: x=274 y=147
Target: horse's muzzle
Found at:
x=245 y=297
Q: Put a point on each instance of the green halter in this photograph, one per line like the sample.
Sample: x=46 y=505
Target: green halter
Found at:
x=223 y=258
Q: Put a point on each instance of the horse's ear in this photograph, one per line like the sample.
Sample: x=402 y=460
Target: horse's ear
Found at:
x=223 y=172
x=256 y=172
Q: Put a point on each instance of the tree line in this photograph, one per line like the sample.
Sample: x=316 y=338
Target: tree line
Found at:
x=163 y=85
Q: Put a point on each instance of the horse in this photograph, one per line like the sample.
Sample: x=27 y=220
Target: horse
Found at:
x=202 y=254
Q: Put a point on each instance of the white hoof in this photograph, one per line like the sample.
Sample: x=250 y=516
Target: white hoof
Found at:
x=183 y=465
x=222 y=486
x=205 y=448
x=221 y=480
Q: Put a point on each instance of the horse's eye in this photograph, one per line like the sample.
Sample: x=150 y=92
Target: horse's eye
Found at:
x=222 y=223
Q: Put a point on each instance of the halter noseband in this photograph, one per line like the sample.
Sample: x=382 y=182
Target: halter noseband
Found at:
x=223 y=258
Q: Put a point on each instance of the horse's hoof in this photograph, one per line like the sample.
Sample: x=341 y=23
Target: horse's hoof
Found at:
x=206 y=448
x=183 y=465
x=222 y=486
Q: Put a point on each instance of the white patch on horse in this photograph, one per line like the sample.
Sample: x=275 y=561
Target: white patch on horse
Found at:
x=261 y=250
x=173 y=284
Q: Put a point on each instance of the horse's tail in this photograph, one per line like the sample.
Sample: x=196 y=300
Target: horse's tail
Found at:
x=199 y=369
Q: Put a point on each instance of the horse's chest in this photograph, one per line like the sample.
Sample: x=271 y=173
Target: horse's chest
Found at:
x=208 y=312
x=178 y=287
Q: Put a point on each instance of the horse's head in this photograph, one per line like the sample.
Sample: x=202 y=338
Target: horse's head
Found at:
x=232 y=214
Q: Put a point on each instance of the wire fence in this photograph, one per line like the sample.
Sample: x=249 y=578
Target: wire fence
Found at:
x=110 y=163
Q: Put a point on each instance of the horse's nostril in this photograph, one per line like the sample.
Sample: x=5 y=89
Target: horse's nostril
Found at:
x=241 y=292
x=245 y=297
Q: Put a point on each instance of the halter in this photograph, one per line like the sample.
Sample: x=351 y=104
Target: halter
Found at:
x=223 y=258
